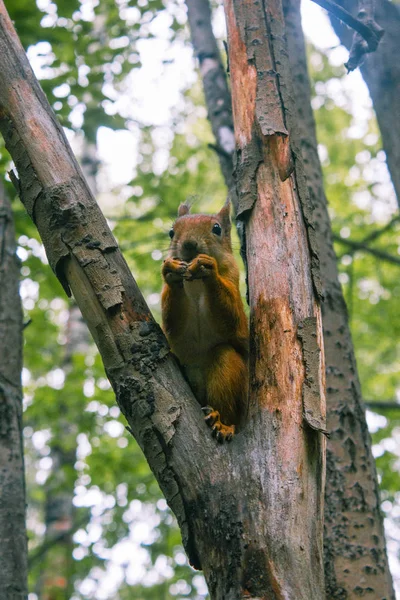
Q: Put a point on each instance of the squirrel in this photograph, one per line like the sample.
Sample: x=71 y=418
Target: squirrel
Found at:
x=203 y=316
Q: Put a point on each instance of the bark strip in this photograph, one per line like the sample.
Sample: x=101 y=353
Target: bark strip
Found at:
x=13 y=546
x=355 y=556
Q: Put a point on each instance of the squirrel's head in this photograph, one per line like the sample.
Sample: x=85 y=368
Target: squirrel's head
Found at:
x=201 y=234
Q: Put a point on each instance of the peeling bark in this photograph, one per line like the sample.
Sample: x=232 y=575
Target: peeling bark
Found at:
x=355 y=556
x=381 y=72
x=13 y=546
x=284 y=291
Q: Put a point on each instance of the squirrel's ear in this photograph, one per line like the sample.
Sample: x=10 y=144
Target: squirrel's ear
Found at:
x=183 y=209
x=224 y=214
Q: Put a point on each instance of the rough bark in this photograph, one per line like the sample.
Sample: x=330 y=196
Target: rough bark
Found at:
x=381 y=72
x=13 y=546
x=216 y=90
x=250 y=511
x=285 y=324
x=355 y=556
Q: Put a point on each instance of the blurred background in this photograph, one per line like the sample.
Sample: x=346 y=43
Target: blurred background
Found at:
x=122 y=79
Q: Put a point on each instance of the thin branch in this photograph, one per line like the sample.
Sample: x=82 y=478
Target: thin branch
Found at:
x=384 y=405
x=364 y=248
x=374 y=235
x=367 y=32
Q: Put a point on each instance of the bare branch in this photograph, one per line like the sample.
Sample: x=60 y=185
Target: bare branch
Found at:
x=374 y=235
x=367 y=32
x=365 y=248
x=382 y=405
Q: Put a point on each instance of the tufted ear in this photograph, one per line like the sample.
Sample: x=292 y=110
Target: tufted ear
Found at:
x=183 y=209
x=224 y=214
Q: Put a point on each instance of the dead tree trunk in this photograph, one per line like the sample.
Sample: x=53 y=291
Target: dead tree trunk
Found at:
x=13 y=547
x=381 y=72
x=355 y=555
x=285 y=321
x=250 y=512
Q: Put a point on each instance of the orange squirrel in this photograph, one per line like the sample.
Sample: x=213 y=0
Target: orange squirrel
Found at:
x=203 y=316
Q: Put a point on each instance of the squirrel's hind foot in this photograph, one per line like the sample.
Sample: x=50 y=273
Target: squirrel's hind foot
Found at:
x=223 y=433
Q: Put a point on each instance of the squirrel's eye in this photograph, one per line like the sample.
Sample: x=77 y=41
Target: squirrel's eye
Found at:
x=171 y=233
x=217 y=229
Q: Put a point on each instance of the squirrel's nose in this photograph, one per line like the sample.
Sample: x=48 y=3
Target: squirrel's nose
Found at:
x=189 y=249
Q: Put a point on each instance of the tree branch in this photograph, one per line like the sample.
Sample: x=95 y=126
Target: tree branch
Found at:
x=381 y=73
x=365 y=248
x=367 y=32
x=374 y=235
x=383 y=405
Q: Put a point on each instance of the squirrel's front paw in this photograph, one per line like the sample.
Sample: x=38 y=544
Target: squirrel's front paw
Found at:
x=201 y=266
x=174 y=270
x=223 y=433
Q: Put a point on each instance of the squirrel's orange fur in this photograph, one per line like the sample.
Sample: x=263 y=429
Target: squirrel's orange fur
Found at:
x=203 y=316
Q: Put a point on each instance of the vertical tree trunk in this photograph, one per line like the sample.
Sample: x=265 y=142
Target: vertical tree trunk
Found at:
x=381 y=72
x=57 y=581
x=286 y=364
x=355 y=555
x=216 y=91
x=13 y=547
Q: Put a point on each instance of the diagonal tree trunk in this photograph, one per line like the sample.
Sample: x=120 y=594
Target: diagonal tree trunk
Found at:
x=13 y=546
x=284 y=300
x=381 y=72
x=355 y=554
x=250 y=512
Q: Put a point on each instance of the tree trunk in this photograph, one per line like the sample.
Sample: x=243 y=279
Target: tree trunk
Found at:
x=216 y=91
x=56 y=580
x=355 y=555
x=13 y=547
x=381 y=72
x=285 y=323
x=250 y=512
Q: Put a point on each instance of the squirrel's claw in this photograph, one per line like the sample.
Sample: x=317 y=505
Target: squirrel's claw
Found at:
x=200 y=267
x=223 y=433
